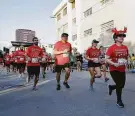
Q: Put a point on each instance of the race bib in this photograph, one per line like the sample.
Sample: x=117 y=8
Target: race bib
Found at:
x=65 y=55
x=43 y=59
x=34 y=60
x=21 y=59
x=7 y=59
x=122 y=61
x=95 y=60
x=15 y=60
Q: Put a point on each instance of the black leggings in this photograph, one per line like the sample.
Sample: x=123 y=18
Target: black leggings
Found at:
x=119 y=79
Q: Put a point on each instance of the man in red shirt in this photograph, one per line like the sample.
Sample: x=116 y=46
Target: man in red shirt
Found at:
x=34 y=54
x=62 y=51
x=21 y=61
x=92 y=55
x=117 y=56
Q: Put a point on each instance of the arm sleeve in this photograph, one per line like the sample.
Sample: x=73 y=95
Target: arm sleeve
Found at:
x=87 y=52
x=109 y=51
x=56 y=46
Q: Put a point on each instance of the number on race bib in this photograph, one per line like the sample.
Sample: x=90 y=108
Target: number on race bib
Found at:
x=34 y=60
x=122 y=61
x=21 y=59
x=65 y=55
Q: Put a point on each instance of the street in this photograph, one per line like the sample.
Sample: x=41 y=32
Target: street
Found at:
x=77 y=101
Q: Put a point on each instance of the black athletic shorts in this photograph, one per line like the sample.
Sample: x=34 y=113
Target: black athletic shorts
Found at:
x=92 y=64
x=49 y=63
x=14 y=64
x=58 y=68
x=72 y=63
x=21 y=65
x=43 y=64
x=33 y=70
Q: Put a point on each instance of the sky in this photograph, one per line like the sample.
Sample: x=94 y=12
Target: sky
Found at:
x=27 y=14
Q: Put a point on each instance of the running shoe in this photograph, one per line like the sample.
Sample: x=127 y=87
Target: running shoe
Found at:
x=120 y=104
x=106 y=79
x=66 y=85
x=91 y=88
x=34 y=88
x=58 y=87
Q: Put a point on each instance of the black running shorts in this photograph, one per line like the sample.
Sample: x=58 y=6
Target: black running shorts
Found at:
x=93 y=65
x=33 y=70
x=21 y=65
x=58 y=68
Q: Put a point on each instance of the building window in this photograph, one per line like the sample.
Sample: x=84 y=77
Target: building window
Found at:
x=74 y=37
x=50 y=46
x=88 y=12
x=65 y=11
x=105 y=1
x=88 y=32
x=107 y=26
x=58 y=17
x=65 y=28
x=73 y=5
x=74 y=21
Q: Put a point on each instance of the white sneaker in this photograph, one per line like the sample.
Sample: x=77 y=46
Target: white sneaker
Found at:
x=23 y=75
x=20 y=75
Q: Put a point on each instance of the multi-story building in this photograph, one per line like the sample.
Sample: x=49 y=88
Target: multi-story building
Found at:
x=24 y=35
x=48 y=47
x=85 y=20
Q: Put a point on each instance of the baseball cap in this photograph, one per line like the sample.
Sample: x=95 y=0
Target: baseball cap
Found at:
x=64 y=35
x=95 y=41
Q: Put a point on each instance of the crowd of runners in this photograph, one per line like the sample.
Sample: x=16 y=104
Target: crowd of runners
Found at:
x=65 y=58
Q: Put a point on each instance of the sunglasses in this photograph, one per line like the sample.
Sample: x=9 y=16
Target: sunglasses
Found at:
x=122 y=35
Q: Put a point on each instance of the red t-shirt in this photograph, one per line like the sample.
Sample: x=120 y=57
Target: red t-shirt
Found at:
x=7 y=59
x=49 y=58
x=34 y=52
x=93 y=52
x=62 y=59
x=117 y=52
x=20 y=56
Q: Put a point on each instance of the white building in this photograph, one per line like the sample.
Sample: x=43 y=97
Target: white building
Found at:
x=48 y=47
x=85 y=20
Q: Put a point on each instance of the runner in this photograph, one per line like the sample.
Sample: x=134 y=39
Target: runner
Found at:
x=117 y=56
x=21 y=61
x=7 y=62
x=79 y=61
x=44 y=62
x=14 y=62
x=62 y=51
x=34 y=54
x=102 y=62
x=50 y=62
x=92 y=55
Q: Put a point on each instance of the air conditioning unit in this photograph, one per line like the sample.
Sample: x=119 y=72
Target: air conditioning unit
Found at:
x=71 y=1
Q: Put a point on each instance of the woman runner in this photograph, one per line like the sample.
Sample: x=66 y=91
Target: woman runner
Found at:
x=117 y=56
